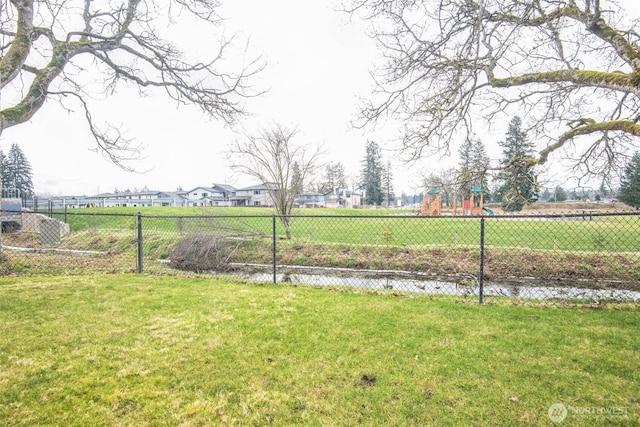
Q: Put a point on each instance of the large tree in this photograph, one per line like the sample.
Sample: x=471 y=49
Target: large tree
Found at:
x=58 y=51
x=473 y=166
x=274 y=158
x=3 y=159
x=571 y=68
x=371 y=174
x=17 y=174
x=334 y=177
x=519 y=181
x=386 y=183
x=630 y=183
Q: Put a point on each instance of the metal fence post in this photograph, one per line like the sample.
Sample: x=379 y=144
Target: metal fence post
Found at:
x=139 y=221
x=274 y=249
x=481 y=275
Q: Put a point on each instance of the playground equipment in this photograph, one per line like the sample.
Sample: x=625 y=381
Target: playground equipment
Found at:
x=474 y=205
x=431 y=203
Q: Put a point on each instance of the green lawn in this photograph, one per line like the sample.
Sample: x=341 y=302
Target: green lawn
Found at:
x=144 y=350
x=372 y=227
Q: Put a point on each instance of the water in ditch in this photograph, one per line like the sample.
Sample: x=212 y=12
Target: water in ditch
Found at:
x=424 y=284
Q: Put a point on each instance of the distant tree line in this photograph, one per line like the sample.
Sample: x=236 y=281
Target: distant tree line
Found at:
x=15 y=173
x=514 y=183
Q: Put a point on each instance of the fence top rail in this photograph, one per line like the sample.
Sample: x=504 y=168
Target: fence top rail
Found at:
x=582 y=214
x=361 y=216
x=74 y=213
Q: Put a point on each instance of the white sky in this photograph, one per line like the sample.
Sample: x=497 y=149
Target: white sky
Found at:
x=318 y=65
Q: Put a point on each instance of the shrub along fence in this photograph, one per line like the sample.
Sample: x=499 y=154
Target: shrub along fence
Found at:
x=591 y=257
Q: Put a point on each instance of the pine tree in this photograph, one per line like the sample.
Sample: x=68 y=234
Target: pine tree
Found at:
x=465 y=172
x=474 y=163
x=630 y=183
x=387 y=185
x=3 y=159
x=519 y=182
x=334 y=177
x=17 y=172
x=371 y=175
x=480 y=164
x=297 y=183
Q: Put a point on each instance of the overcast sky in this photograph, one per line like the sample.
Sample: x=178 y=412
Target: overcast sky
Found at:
x=318 y=66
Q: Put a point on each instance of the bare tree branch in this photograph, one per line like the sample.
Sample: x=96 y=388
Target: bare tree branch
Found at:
x=448 y=62
x=126 y=45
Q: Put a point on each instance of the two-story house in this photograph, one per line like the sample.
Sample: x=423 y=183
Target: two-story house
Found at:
x=310 y=200
x=257 y=195
x=216 y=195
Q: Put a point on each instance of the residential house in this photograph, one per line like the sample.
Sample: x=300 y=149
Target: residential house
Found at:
x=216 y=195
x=342 y=198
x=310 y=200
x=138 y=198
x=258 y=195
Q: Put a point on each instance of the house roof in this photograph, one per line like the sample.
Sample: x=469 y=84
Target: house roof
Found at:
x=264 y=186
x=225 y=187
x=216 y=188
x=310 y=194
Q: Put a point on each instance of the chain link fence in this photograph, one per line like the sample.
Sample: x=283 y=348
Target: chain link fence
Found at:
x=585 y=257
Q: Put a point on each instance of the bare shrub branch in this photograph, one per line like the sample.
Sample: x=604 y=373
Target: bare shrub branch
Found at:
x=202 y=252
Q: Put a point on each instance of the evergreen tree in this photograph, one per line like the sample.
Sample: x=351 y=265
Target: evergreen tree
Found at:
x=546 y=196
x=334 y=177
x=465 y=172
x=474 y=163
x=630 y=183
x=17 y=172
x=387 y=185
x=480 y=164
x=371 y=175
x=604 y=190
x=297 y=182
x=3 y=160
x=559 y=194
x=519 y=182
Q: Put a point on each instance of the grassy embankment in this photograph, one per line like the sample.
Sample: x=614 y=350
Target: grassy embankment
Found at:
x=136 y=350
x=599 y=249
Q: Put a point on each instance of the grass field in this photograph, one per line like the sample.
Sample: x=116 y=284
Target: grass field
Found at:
x=601 y=251
x=144 y=350
x=389 y=227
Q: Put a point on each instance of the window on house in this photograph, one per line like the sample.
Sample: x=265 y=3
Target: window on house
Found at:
x=256 y=192
x=205 y=194
x=256 y=203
